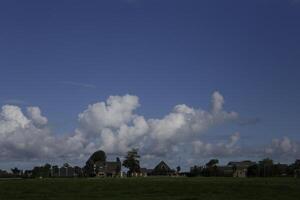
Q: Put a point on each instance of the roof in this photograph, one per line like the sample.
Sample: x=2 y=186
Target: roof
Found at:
x=226 y=170
x=108 y=167
x=162 y=166
x=145 y=170
x=242 y=164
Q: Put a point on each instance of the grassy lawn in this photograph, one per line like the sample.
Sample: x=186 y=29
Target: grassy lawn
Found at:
x=151 y=188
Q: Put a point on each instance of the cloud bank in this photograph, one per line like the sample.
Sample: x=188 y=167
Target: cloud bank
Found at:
x=114 y=127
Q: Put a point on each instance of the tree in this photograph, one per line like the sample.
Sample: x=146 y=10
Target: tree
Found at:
x=196 y=171
x=66 y=165
x=46 y=170
x=16 y=171
x=98 y=156
x=178 y=169
x=266 y=167
x=297 y=164
x=211 y=168
x=118 y=169
x=266 y=161
x=212 y=163
x=253 y=170
x=131 y=161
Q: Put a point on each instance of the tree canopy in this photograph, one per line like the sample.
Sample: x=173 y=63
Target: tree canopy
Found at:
x=95 y=157
x=212 y=163
x=98 y=156
x=132 y=161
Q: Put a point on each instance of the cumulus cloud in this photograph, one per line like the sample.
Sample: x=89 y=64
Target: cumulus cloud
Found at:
x=115 y=127
x=27 y=137
x=113 y=113
x=219 y=149
x=282 y=147
x=19 y=136
x=34 y=113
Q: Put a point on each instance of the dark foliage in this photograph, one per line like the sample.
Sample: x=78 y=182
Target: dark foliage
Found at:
x=132 y=162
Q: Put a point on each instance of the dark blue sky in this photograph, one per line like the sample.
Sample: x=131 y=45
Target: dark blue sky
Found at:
x=63 y=55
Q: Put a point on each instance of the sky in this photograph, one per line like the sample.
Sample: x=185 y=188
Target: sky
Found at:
x=182 y=81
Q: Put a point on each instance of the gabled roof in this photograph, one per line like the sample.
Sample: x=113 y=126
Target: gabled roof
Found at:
x=162 y=166
x=145 y=170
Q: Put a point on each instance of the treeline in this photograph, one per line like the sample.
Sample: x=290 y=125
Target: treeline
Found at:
x=44 y=171
x=93 y=166
x=267 y=168
x=263 y=168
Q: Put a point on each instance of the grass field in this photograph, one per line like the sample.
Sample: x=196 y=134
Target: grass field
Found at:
x=151 y=188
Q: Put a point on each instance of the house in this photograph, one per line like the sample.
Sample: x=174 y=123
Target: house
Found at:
x=226 y=171
x=108 y=168
x=240 y=169
x=144 y=172
x=162 y=169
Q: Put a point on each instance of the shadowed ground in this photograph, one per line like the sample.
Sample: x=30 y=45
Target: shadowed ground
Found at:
x=151 y=188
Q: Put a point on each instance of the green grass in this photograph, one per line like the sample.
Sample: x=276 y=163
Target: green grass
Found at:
x=151 y=188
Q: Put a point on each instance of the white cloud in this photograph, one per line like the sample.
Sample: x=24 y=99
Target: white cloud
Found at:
x=219 y=149
x=12 y=118
x=282 y=147
x=113 y=113
x=34 y=113
x=27 y=137
x=115 y=127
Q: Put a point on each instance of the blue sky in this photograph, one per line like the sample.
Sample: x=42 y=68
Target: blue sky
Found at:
x=64 y=55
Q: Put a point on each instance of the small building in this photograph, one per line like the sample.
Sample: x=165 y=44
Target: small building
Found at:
x=112 y=168
x=144 y=172
x=162 y=169
x=108 y=168
x=240 y=169
x=240 y=172
x=226 y=171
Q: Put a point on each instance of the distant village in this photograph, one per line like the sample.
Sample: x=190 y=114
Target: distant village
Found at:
x=98 y=166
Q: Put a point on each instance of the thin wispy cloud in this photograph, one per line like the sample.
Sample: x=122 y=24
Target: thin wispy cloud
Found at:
x=248 y=121
x=78 y=84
